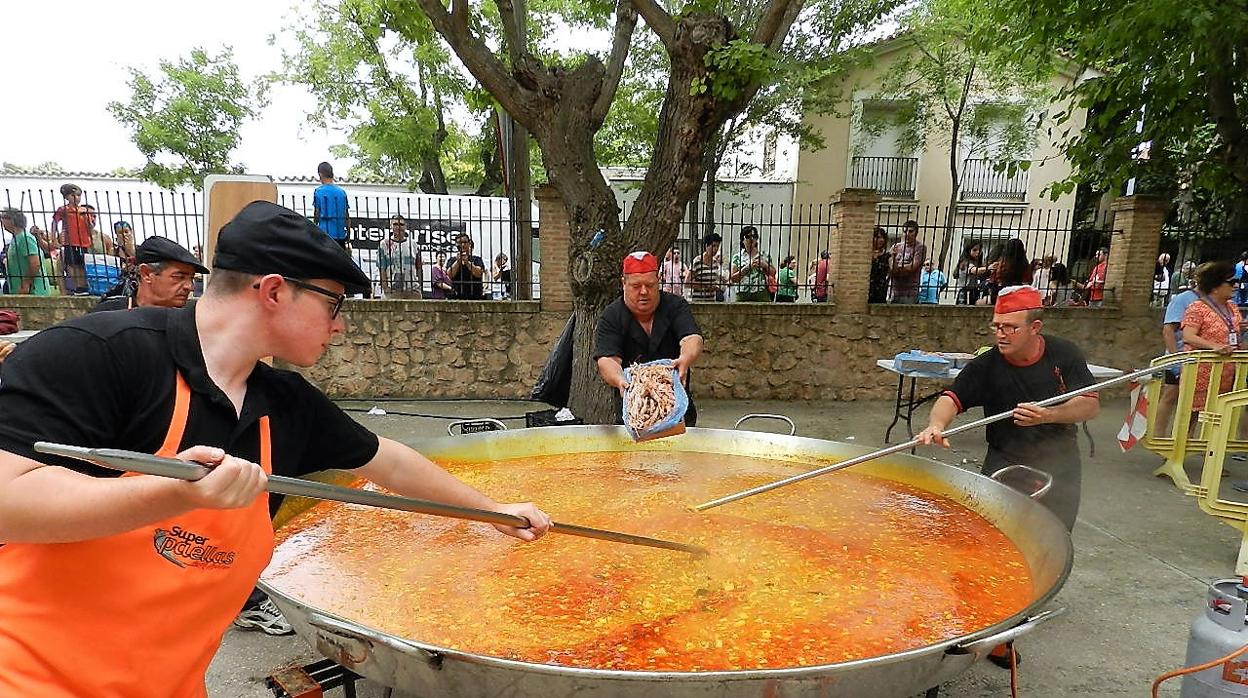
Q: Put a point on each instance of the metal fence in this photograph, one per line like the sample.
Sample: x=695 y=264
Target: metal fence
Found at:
x=981 y=181
x=432 y=224
x=892 y=177
x=1184 y=246
x=177 y=216
x=1057 y=252
x=799 y=234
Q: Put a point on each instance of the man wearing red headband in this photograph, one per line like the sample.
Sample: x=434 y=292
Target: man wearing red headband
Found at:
x=1025 y=367
x=646 y=324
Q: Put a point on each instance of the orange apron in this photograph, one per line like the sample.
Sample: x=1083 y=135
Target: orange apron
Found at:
x=134 y=615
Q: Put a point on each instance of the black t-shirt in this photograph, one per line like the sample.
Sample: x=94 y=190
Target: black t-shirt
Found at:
x=993 y=383
x=113 y=303
x=619 y=333
x=467 y=286
x=107 y=380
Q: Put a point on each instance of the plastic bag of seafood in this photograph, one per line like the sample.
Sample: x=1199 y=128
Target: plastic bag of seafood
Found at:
x=654 y=401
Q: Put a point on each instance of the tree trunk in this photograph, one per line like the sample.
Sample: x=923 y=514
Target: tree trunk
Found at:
x=711 y=180
x=955 y=182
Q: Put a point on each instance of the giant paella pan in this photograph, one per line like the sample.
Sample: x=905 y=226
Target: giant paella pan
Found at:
x=885 y=579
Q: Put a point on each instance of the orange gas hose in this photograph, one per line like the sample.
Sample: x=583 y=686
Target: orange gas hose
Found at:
x=1193 y=669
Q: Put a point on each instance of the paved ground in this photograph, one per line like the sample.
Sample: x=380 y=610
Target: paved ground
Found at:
x=1143 y=556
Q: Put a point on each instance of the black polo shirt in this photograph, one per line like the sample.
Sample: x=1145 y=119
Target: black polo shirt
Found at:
x=114 y=303
x=107 y=380
x=619 y=333
x=997 y=385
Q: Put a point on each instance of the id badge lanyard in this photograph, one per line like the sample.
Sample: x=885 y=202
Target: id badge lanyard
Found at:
x=1232 y=322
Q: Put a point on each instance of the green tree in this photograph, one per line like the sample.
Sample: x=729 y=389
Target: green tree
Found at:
x=952 y=89
x=392 y=93
x=716 y=66
x=185 y=119
x=1170 y=101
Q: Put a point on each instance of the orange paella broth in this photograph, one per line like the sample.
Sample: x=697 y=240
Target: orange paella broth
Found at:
x=851 y=566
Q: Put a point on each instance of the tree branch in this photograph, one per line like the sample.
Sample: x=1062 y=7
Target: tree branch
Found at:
x=478 y=58
x=511 y=32
x=625 y=23
x=658 y=20
x=774 y=25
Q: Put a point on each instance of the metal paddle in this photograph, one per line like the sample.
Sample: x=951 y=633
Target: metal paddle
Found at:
x=1056 y=399
x=133 y=461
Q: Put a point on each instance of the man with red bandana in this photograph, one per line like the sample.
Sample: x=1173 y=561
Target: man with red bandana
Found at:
x=1023 y=368
x=646 y=324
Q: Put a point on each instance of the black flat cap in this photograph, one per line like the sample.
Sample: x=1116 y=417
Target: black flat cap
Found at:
x=160 y=249
x=265 y=238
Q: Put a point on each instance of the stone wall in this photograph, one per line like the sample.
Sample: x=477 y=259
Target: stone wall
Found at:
x=482 y=349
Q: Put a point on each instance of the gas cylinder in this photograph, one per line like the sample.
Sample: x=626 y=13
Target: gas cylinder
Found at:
x=1218 y=631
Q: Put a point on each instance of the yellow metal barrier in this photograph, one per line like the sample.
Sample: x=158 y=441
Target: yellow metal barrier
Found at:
x=1221 y=424
x=1174 y=442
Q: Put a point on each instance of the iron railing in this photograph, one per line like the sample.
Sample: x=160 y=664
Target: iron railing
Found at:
x=981 y=181
x=1184 y=246
x=803 y=232
x=892 y=177
x=1058 y=248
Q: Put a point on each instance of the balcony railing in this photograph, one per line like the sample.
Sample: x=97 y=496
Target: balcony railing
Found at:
x=893 y=178
x=982 y=182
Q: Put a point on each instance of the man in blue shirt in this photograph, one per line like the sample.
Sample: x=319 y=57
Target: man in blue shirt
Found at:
x=329 y=206
x=1172 y=337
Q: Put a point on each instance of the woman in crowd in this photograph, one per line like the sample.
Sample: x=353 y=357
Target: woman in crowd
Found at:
x=1058 y=291
x=440 y=280
x=1161 y=278
x=1010 y=267
x=971 y=273
x=786 y=290
x=877 y=288
x=673 y=273
x=1213 y=322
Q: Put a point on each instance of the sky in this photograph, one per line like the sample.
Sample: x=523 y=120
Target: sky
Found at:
x=88 y=46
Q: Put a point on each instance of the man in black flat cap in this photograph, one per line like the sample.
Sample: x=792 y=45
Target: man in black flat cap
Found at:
x=161 y=566
x=164 y=277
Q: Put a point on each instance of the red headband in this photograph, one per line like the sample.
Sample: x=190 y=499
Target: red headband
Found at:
x=1012 y=299
x=640 y=262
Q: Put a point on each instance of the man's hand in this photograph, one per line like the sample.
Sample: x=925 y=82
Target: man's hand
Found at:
x=233 y=483
x=539 y=521
x=932 y=435
x=682 y=367
x=1028 y=414
x=6 y=348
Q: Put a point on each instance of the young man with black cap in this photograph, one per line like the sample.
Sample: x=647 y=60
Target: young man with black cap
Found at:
x=89 y=605
x=165 y=276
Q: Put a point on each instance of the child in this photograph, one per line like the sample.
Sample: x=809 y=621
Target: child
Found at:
x=72 y=230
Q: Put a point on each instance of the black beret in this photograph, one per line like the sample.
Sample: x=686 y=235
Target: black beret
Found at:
x=161 y=249
x=265 y=238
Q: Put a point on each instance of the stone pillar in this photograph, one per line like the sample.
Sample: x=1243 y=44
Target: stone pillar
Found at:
x=853 y=212
x=556 y=238
x=1133 y=252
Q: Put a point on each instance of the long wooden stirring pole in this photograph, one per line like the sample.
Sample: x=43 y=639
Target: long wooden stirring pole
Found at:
x=133 y=461
x=956 y=430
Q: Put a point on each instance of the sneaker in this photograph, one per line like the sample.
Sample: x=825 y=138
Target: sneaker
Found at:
x=264 y=617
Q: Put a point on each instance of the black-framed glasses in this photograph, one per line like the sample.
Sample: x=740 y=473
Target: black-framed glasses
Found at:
x=339 y=298
x=1233 y=282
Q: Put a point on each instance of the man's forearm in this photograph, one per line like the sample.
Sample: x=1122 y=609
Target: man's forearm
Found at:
x=942 y=413
x=1075 y=410
x=690 y=348
x=405 y=471
x=612 y=371
x=56 y=505
x=1167 y=338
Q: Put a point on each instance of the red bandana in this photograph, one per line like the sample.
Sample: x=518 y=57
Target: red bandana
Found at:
x=640 y=262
